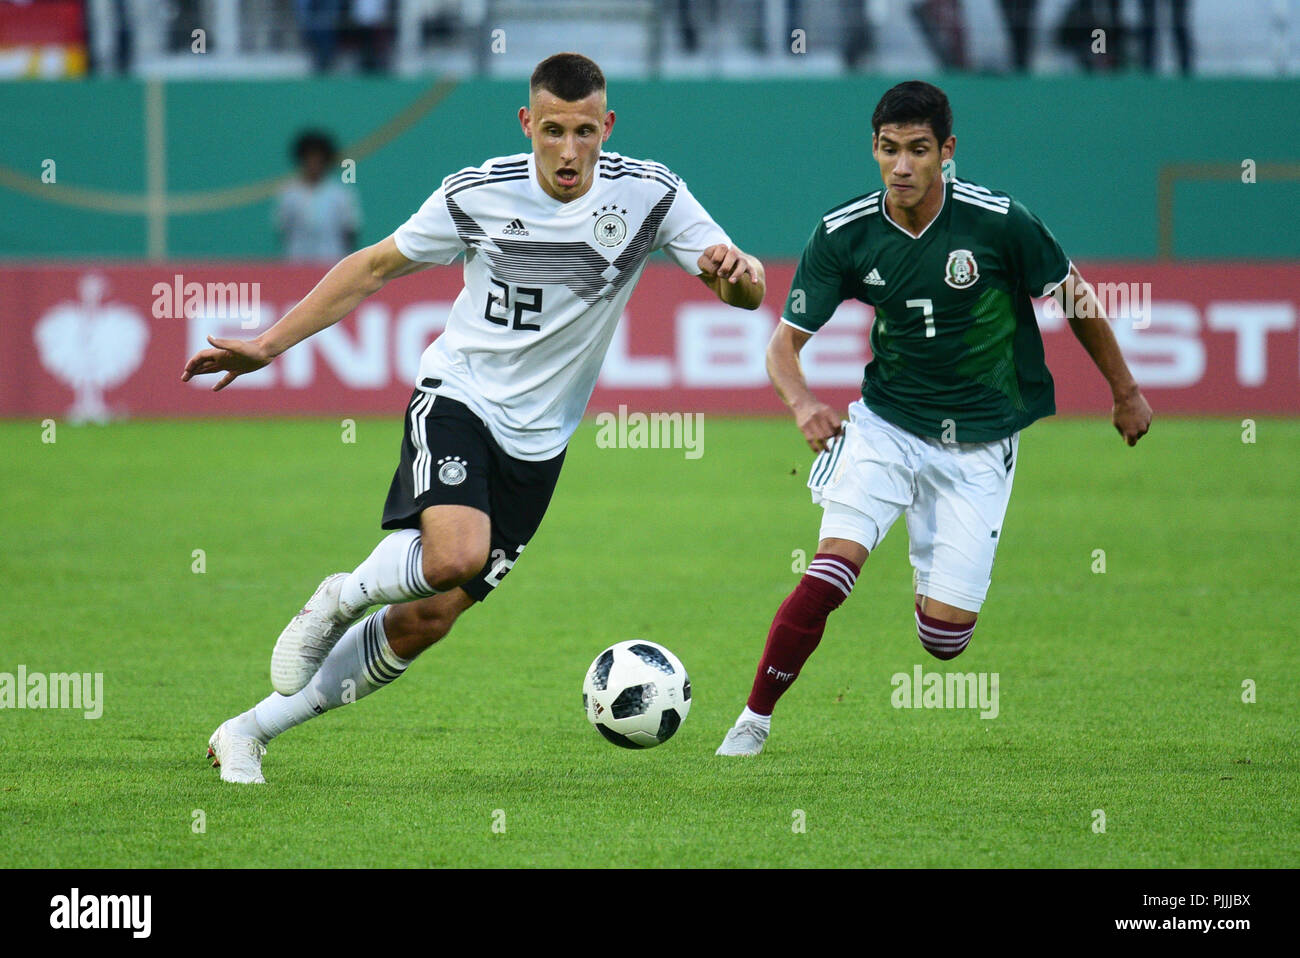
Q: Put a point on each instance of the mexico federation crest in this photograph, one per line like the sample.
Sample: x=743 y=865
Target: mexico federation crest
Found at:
x=961 y=270
x=611 y=229
x=451 y=471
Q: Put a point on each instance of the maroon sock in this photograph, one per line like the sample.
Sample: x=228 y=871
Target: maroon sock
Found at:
x=943 y=640
x=798 y=627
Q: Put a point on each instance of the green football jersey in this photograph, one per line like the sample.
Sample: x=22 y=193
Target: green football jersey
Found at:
x=956 y=352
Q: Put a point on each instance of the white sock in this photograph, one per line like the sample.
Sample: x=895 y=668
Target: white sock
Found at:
x=362 y=662
x=394 y=572
x=764 y=721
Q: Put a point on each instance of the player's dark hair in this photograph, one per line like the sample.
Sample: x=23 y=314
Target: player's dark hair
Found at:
x=570 y=76
x=915 y=101
x=313 y=141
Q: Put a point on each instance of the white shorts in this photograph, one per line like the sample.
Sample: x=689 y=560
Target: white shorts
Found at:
x=953 y=494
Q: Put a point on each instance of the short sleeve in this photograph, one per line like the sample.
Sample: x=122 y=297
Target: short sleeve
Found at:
x=688 y=230
x=1038 y=258
x=818 y=287
x=430 y=235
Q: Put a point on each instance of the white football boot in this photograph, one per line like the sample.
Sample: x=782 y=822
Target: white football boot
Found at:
x=310 y=637
x=238 y=756
x=745 y=738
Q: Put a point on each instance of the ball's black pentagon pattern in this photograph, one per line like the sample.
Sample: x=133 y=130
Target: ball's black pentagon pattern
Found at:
x=600 y=672
x=622 y=741
x=652 y=657
x=651 y=694
x=669 y=722
x=633 y=700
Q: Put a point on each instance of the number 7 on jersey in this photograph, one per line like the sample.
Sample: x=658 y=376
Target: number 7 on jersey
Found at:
x=927 y=308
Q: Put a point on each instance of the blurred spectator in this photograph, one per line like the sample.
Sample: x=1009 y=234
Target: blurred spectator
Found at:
x=318 y=218
x=1182 y=36
x=1076 y=34
x=320 y=22
x=944 y=28
x=858 y=40
x=855 y=35
x=1020 y=28
x=370 y=27
x=122 y=41
x=690 y=31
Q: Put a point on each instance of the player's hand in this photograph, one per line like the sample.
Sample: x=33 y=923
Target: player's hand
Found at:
x=1132 y=417
x=721 y=261
x=818 y=422
x=234 y=357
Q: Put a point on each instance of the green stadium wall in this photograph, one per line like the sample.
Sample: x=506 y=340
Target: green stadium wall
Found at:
x=766 y=157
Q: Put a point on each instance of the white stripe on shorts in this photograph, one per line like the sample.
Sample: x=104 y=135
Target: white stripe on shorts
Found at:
x=422 y=464
x=824 y=465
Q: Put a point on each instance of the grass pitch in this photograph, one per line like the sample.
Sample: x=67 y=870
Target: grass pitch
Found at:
x=1120 y=691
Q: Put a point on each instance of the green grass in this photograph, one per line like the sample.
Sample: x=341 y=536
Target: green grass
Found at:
x=1119 y=691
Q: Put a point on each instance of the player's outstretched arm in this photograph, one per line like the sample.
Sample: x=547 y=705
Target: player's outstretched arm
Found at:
x=350 y=281
x=1131 y=414
x=817 y=421
x=736 y=277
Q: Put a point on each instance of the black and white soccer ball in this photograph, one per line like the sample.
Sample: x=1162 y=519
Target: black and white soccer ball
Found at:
x=637 y=694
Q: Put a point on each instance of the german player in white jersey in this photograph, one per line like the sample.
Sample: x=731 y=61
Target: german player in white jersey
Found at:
x=553 y=241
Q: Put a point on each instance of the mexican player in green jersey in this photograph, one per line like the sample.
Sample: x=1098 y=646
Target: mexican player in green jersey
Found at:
x=957 y=371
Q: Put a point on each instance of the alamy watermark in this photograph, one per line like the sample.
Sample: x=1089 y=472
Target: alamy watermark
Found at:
x=656 y=430
x=181 y=300
x=75 y=911
x=946 y=690
x=54 y=690
x=1119 y=302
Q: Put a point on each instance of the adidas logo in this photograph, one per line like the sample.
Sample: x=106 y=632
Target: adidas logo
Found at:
x=873 y=278
x=515 y=228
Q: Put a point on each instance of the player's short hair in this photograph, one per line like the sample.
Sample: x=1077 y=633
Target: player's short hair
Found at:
x=915 y=101
x=313 y=141
x=570 y=76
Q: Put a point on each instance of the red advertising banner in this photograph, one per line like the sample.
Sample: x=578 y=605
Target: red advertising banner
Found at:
x=89 y=341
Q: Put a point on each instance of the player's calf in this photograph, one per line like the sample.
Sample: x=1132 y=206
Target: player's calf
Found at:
x=414 y=626
x=942 y=638
x=798 y=627
x=796 y=632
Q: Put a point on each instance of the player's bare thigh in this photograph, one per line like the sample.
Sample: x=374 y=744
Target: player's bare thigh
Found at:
x=856 y=553
x=411 y=627
x=455 y=541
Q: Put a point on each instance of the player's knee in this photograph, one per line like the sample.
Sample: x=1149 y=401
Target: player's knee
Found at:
x=944 y=640
x=449 y=567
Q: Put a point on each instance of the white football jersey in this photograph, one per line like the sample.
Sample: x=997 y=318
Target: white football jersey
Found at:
x=545 y=285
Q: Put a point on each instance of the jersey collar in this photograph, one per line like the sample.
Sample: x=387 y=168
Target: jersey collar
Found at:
x=943 y=203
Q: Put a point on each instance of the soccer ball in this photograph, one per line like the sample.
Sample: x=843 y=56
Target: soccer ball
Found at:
x=636 y=694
